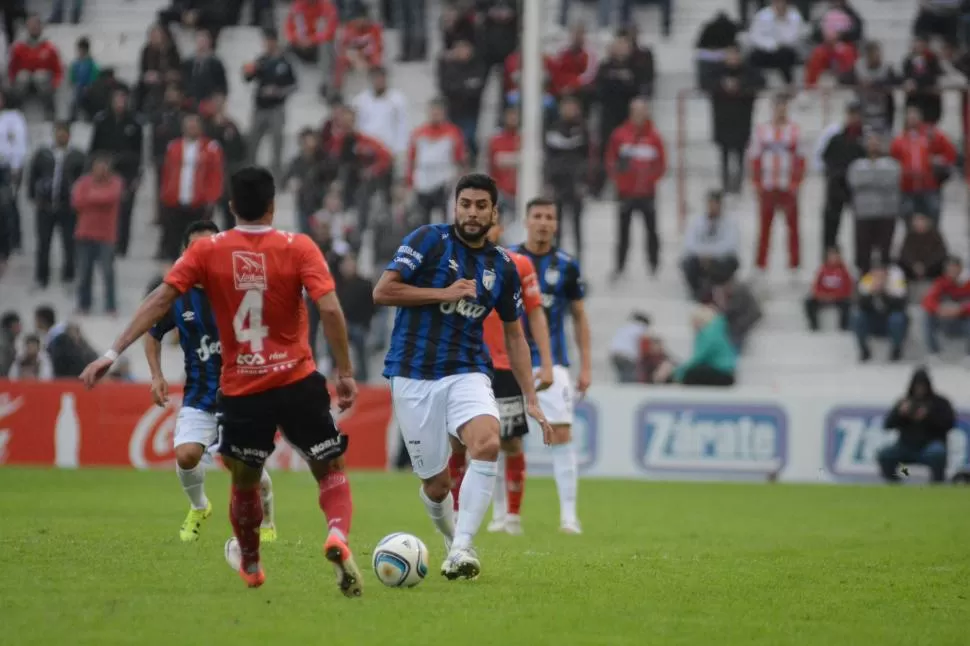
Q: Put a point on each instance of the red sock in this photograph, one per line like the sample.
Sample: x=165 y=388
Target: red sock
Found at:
x=515 y=481
x=246 y=515
x=336 y=503
x=456 y=469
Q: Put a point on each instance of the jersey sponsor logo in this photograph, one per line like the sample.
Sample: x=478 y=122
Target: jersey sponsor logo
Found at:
x=248 y=454
x=249 y=270
x=548 y=300
x=464 y=308
x=854 y=435
x=207 y=349
x=405 y=250
x=488 y=279
x=407 y=262
x=325 y=448
x=278 y=356
x=712 y=438
x=585 y=434
x=254 y=359
x=188 y=316
x=552 y=276
x=453 y=265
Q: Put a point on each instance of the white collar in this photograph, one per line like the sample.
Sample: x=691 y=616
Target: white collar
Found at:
x=254 y=228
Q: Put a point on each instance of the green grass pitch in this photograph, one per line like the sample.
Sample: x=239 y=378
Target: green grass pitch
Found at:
x=93 y=558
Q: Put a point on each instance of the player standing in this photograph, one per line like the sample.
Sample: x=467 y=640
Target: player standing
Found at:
x=255 y=277
x=562 y=294
x=444 y=280
x=510 y=475
x=196 y=428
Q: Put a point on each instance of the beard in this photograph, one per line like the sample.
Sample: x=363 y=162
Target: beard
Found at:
x=473 y=236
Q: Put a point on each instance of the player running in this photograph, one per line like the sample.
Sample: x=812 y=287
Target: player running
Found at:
x=196 y=428
x=444 y=280
x=255 y=276
x=510 y=475
x=562 y=294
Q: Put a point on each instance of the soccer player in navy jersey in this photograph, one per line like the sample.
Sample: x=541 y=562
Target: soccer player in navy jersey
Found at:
x=196 y=428
x=444 y=280
x=562 y=289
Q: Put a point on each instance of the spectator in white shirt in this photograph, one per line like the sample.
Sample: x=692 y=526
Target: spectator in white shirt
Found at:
x=625 y=347
x=711 y=246
x=775 y=34
x=13 y=155
x=382 y=113
x=32 y=362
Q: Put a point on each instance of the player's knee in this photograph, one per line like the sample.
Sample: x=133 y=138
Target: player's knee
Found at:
x=188 y=456
x=484 y=447
x=438 y=487
x=512 y=446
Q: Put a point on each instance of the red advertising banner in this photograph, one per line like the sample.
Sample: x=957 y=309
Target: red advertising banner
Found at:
x=61 y=424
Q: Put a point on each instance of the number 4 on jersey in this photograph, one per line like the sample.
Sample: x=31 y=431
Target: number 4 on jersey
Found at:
x=248 y=321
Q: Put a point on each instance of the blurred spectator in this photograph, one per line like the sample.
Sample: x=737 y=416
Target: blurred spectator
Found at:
x=461 y=79
x=457 y=24
x=361 y=45
x=354 y=292
x=626 y=345
x=642 y=56
x=777 y=169
x=497 y=30
x=160 y=65
x=436 y=157
x=262 y=14
x=655 y=364
x=97 y=98
x=35 y=67
x=881 y=310
x=714 y=358
x=311 y=31
x=53 y=171
x=97 y=199
x=617 y=84
x=733 y=86
x=567 y=152
x=742 y=311
x=947 y=307
x=512 y=78
x=57 y=11
x=382 y=113
x=923 y=419
x=310 y=175
x=939 y=18
x=712 y=243
x=166 y=128
x=14 y=11
x=838 y=21
x=117 y=132
x=222 y=129
x=10 y=329
x=926 y=157
x=208 y=16
x=332 y=219
x=275 y=82
x=923 y=252
x=874 y=185
x=82 y=74
x=874 y=80
x=775 y=36
x=833 y=287
x=717 y=36
x=834 y=56
x=574 y=67
x=636 y=161
x=503 y=159
x=192 y=183
x=838 y=147
x=411 y=18
x=13 y=157
x=921 y=74
x=32 y=363
x=64 y=343
x=204 y=74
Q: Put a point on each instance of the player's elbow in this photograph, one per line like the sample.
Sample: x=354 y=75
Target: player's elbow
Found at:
x=383 y=291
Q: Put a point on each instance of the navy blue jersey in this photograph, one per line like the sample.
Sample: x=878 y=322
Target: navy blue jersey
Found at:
x=199 y=338
x=561 y=283
x=440 y=340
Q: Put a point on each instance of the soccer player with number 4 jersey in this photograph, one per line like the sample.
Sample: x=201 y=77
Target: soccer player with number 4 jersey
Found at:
x=255 y=277
x=444 y=280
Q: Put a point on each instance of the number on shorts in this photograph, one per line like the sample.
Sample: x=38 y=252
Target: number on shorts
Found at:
x=248 y=321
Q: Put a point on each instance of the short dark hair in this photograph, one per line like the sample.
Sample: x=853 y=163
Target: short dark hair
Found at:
x=479 y=181
x=270 y=33
x=45 y=314
x=62 y=125
x=198 y=226
x=9 y=319
x=84 y=44
x=252 y=191
x=32 y=338
x=538 y=201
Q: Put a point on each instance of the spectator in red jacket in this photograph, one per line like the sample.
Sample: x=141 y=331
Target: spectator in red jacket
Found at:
x=833 y=56
x=832 y=288
x=636 y=161
x=360 y=48
x=512 y=76
x=574 y=68
x=947 y=307
x=927 y=158
x=35 y=66
x=311 y=30
x=503 y=160
x=97 y=199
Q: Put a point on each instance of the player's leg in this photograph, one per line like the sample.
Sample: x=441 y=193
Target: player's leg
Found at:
x=557 y=405
x=456 y=469
x=194 y=431
x=511 y=406
x=514 y=482
x=267 y=531
x=499 y=497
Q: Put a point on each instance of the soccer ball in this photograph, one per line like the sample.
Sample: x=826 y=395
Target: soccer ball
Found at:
x=400 y=560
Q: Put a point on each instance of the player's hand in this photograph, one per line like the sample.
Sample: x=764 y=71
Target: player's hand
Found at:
x=582 y=384
x=544 y=378
x=461 y=288
x=160 y=391
x=533 y=410
x=95 y=370
x=346 y=392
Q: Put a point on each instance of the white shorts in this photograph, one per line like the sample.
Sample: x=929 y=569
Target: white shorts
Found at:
x=429 y=410
x=194 y=426
x=556 y=401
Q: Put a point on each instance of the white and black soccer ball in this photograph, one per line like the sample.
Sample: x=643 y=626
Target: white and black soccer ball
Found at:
x=400 y=560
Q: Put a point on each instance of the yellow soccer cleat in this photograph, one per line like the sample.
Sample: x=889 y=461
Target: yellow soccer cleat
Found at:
x=189 y=533
x=267 y=534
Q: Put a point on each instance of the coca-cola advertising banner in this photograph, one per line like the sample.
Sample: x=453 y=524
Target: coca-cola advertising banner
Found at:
x=61 y=424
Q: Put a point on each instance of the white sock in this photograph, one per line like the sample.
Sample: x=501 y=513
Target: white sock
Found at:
x=499 y=501
x=193 y=483
x=567 y=480
x=473 y=500
x=442 y=513
x=266 y=495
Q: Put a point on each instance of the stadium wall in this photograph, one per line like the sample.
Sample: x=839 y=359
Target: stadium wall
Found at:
x=621 y=432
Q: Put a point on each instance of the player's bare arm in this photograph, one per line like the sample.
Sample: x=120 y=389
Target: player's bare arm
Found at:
x=153 y=354
x=391 y=290
x=151 y=310
x=539 y=327
x=520 y=359
x=335 y=329
x=581 y=326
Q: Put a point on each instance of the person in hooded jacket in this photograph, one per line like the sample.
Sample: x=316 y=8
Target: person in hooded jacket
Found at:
x=923 y=419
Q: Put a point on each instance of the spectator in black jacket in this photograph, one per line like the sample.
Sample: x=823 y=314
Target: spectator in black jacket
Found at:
x=716 y=37
x=642 y=58
x=838 y=151
x=457 y=23
x=53 y=171
x=235 y=152
x=118 y=133
x=618 y=82
x=923 y=419
x=461 y=78
x=567 y=148
x=204 y=74
x=921 y=76
x=160 y=65
x=68 y=349
x=497 y=33
x=310 y=175
x=355 y=295
x=275 y=82
x=209 y=16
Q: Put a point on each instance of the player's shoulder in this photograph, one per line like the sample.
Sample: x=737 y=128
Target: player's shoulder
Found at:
x=522 y=262
x=501 y=253
x=567 y=259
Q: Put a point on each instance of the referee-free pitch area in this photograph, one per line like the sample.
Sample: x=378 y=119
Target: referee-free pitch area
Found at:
x=93 y=557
